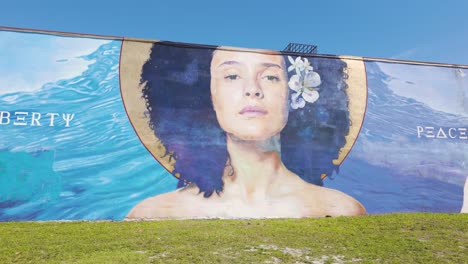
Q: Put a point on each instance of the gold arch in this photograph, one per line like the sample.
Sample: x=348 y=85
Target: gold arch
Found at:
x=135 y=53
x=357 y=94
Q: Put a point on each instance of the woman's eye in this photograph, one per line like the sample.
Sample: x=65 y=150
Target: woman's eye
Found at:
x=272 y=78
x=232 y=77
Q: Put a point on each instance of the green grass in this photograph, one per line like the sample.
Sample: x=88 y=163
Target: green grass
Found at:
x=397 y=238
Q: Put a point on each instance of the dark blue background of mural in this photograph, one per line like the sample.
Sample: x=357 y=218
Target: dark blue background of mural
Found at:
x=389 y=168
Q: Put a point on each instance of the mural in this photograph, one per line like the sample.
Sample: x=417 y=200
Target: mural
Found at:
x=101 y=128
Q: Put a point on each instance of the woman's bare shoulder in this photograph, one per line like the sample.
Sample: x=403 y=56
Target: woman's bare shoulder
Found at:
x=168 y=205
x=332 y=202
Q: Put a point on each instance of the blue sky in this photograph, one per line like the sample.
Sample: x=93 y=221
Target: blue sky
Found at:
x=54 y=58
x=422 y=30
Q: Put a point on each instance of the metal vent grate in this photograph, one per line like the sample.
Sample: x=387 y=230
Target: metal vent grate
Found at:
x=301 y=48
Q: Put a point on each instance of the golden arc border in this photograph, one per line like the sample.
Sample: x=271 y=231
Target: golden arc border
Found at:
x=135 y=53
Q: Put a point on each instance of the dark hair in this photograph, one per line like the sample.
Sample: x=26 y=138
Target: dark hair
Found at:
x=176 y=81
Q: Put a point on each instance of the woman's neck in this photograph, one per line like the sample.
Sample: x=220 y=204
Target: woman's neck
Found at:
x=254 y=166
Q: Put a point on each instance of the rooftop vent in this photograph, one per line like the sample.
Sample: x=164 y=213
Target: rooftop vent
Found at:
x=298 y=48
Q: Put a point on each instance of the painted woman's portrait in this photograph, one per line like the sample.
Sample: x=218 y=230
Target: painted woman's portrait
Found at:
x=248 y=134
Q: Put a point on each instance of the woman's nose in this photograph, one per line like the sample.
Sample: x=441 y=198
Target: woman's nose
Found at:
x=253 y=89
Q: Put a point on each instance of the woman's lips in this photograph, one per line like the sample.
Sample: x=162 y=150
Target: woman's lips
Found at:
x=253 y=111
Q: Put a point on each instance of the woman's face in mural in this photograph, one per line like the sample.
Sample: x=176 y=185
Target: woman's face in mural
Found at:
x=249 y=93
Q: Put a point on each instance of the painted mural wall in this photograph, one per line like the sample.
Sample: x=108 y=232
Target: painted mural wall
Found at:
x=95 y=128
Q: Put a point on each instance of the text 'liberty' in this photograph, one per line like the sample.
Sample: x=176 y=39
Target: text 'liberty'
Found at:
x=21 y=118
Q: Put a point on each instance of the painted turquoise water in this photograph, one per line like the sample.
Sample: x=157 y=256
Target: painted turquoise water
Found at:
x=94 y=169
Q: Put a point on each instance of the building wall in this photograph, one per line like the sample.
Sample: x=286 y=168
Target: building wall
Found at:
x=99 y=128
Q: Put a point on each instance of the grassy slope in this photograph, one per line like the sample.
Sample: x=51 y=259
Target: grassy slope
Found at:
x=398 y=238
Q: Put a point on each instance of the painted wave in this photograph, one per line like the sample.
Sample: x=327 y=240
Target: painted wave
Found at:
x=94 y=169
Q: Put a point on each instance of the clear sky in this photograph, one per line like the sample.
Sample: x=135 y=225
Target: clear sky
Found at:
x=422 y=30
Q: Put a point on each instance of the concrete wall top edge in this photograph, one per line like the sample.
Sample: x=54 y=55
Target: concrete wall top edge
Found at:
x=204 y=46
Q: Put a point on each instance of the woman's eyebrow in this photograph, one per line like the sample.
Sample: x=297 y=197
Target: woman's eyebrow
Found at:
x=264 y=64
x=231 y=62
x=269 y=64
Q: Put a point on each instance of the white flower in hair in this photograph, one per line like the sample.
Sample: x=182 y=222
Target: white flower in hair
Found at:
x=307 y=66
x=297 y=64
x=304 y=83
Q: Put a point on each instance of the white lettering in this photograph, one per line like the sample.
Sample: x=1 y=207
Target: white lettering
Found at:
x=35 y=119
x=450 y=132
x=462 y=133
x=4 y=116
x=430 y=132
x=68 y=118
x=52 y=116
x=20 y=119
x=441 y=134
x=420 y=129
